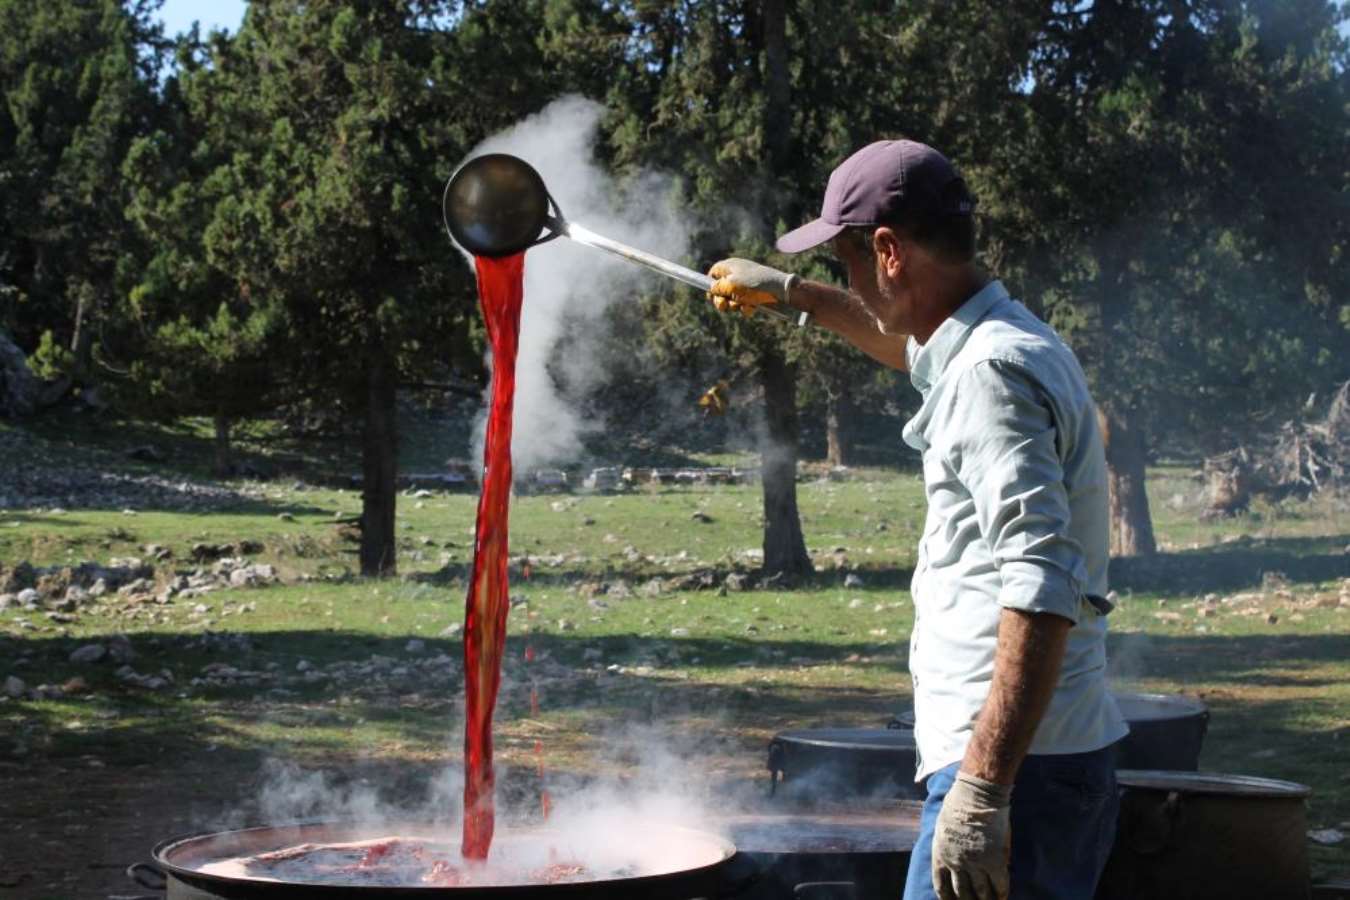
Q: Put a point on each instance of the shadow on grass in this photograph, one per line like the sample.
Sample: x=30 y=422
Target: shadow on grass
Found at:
x=1235 y=566
x=653 y=686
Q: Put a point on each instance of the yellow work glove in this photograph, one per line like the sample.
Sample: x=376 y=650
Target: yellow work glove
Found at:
x=740 y=285
x=972 y=841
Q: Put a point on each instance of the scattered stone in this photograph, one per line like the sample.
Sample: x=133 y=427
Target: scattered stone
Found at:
x=146 y=453
x=452 y=630
x=120 y=650
x=679 y=632
x=735 y=581
x=250 y=548
x=415 y=646
x=16 y=579
x=286 y=517
x=14 y=687
x=88 y=654
x=855 y=603
x=99 y=588
x=1273 y=581
x=652 y=588
x=204 y=552
x=1167 y=616
x=28 y=598
x=700 y=516
x=8 y=601
x=852 y=581
x=1327 y=837
x=566 y=625
x=76 y=685
x=303 y=665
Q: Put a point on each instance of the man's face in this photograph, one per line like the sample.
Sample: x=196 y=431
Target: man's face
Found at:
x=868 y=279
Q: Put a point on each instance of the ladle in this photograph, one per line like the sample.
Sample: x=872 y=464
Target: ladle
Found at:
x=496 y=205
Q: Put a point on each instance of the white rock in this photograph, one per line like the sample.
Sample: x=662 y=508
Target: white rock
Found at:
x=852 y=581
x=452 y=630
x=679 y=632
x=1327 y=837
x=28 y=597
x=14 y=687
x=89 y=653
x=76 y=595
x=303 y=666
x=99 y=588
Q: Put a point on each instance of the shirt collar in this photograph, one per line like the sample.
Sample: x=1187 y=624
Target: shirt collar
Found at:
x=928 y=361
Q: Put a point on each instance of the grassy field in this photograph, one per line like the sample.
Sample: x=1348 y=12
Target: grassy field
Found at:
x=639 y=670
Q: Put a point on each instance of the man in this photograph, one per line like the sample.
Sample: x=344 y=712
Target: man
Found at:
x=1014 y=723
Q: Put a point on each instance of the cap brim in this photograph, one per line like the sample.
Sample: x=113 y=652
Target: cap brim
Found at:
x=812 y=234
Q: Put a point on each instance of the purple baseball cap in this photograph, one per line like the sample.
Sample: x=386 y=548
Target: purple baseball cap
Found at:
x=878 y=184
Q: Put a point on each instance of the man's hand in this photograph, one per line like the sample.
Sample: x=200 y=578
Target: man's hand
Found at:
x=972 y=841
x=740 y=285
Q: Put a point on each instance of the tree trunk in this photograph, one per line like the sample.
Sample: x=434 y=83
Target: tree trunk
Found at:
x=784 y=547
x=1131 y=521
x=838 y=451
x=224 y=465
x=379 y=468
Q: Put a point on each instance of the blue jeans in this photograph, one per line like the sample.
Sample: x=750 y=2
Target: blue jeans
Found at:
x=1063 y=823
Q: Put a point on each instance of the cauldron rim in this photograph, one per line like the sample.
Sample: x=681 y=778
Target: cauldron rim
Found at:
x=1211 y=784
x=161 y=854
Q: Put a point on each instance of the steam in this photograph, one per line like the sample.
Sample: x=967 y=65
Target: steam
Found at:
x=566 y=281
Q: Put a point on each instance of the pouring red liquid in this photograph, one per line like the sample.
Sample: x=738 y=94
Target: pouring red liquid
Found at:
x=500 y=291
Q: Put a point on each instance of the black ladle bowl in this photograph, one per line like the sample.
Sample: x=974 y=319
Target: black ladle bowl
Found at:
x=497 y=205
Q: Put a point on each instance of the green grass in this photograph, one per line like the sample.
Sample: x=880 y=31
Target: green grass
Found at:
x=716 y=672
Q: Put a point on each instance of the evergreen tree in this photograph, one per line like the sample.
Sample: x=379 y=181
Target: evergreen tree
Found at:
x=77 y=82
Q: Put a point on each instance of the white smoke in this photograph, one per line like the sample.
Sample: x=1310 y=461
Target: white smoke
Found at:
x=564 y=280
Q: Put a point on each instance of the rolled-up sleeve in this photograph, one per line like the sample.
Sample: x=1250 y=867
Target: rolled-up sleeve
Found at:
x=1002 y=444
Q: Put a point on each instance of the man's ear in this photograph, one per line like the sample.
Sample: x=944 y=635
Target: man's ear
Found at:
x=891 y=249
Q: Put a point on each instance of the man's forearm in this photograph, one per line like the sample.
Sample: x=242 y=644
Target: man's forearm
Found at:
x=840 y=312
x=1026 y=671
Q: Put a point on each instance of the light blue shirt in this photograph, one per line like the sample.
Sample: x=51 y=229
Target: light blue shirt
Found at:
x=1015 y=477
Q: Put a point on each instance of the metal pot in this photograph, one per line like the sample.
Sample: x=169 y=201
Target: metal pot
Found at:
x=829 y=763
x=671 y=862
x=1166 y=730
x=827 y=856
x=1189 y=836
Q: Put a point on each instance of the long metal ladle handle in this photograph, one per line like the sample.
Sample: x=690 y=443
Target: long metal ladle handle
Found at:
x=584 y=235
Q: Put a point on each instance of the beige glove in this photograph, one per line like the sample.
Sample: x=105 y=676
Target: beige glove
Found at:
x=740 y=285
x=972 y=841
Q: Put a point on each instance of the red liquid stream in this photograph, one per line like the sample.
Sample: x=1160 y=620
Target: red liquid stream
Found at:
x=500 y=291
